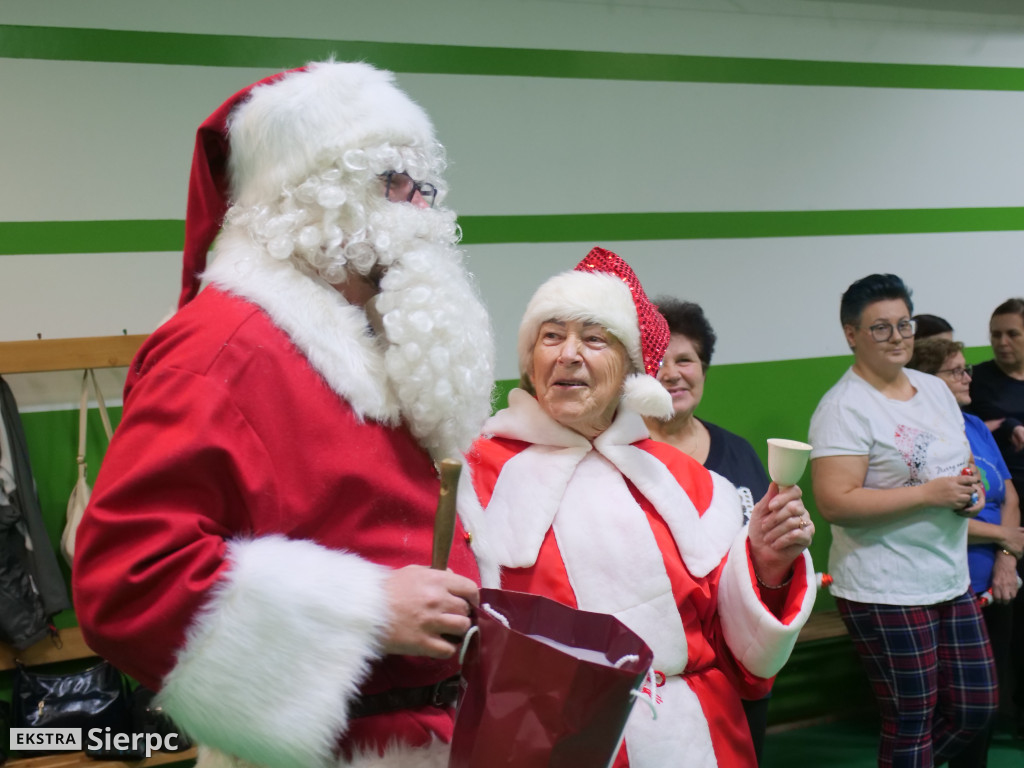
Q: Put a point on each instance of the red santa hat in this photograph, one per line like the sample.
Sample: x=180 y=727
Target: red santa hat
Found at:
x=281 y=130
x=603 y=289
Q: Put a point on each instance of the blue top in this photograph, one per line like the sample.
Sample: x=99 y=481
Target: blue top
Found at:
x=736 y=460
x=994 y=474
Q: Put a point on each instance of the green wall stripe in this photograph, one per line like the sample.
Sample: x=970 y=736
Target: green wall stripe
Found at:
x=734 y=224
x=39 y=237
x=126 y=236
x=75 y=44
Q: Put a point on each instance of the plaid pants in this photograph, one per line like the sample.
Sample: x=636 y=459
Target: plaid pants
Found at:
x=932 y=672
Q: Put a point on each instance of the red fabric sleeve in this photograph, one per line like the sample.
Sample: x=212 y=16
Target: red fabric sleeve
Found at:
x=152 y=542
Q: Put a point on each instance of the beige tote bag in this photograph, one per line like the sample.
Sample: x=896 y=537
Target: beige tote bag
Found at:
x=80 y=493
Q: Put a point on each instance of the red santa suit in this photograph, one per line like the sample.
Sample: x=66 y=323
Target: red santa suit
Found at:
x=255 y=496
x=275 y=460
x=637 y=529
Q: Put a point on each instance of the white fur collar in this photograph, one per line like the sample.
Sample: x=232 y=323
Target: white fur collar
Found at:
x=531 y=486
x=333 y=335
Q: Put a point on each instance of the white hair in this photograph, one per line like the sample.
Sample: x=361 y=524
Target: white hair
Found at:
x=330 y=222
x=439 y=352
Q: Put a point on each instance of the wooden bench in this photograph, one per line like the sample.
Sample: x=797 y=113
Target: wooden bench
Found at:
x=822 y=625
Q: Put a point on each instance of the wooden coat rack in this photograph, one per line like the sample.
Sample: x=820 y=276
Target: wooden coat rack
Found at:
x=68 y=354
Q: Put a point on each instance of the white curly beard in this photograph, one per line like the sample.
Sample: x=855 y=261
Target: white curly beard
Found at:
x=335 y=227
x=439 y=353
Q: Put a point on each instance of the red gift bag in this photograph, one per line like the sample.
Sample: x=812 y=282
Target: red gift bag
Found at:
x=544 y=684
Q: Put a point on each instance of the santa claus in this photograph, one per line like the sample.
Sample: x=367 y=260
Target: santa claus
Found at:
x=257 y=542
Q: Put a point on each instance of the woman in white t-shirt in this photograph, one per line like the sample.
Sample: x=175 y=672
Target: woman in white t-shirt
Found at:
x=889 y=450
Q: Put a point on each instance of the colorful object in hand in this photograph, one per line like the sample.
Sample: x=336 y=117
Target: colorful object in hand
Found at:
x=968 y=472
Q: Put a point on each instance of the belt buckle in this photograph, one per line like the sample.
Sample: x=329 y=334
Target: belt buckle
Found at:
x=445 y=692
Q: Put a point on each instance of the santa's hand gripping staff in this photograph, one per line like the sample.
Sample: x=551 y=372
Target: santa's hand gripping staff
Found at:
x=258 y=541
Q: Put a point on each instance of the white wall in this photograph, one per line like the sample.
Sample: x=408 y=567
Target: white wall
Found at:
x=83 y=140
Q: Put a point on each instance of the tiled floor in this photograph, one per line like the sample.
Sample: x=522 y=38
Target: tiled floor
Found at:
x=853 y=743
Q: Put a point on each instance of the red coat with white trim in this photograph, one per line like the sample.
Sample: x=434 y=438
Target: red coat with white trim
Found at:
x=637 y=529
x=242 y=526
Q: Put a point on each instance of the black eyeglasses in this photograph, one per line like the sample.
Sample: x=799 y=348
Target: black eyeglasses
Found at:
x=402 y=188
x=883 y=331
x=958 y=373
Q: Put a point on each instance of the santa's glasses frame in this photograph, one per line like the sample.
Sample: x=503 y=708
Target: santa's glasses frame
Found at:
x=400 y=187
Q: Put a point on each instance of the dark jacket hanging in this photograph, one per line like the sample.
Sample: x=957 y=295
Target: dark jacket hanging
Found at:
x=32 y=587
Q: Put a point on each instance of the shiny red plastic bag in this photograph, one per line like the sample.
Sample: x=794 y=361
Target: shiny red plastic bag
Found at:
x=551 y=687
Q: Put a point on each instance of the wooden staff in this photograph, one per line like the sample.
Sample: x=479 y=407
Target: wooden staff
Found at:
x=444 y=520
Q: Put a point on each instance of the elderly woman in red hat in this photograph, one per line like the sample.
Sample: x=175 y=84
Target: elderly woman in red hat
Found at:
x=575 y=502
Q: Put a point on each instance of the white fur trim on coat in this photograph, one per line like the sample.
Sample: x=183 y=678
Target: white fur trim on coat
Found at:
x=471 y=515
x=614 y=564
x=333 y=335
x=307 y=622
x=649 y=743
x=702 y=540
x=532 y=484
x=759 y=640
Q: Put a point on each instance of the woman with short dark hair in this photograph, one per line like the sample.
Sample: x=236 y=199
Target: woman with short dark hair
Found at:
x=690 y=347
x=889 y=449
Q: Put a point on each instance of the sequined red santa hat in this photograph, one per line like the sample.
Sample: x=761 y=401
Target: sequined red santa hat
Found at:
x=280 y=130
x=603 y=289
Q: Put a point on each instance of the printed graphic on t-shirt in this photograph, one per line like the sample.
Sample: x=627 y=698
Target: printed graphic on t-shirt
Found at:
x=984 y=477
x=747 y=501
x=912 y=443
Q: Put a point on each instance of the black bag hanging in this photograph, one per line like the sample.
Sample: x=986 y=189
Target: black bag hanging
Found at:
x=96 y=697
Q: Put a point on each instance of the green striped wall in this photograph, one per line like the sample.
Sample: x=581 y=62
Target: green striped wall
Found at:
x=75 y=44
x=39 y=237
x=180 y=49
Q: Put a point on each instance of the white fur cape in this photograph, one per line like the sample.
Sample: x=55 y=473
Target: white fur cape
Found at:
x=611 y=562
x=332 y=334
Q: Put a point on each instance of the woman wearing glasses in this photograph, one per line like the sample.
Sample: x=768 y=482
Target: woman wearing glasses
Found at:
x=997 y=397
x=995 y=537
x=889 y=449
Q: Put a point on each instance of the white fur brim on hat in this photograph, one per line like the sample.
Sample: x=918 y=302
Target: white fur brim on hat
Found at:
x=299 y=124
x=601 y=298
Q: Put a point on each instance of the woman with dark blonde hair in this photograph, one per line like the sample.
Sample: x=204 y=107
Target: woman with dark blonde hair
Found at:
x=997 y=397
x=995 y=538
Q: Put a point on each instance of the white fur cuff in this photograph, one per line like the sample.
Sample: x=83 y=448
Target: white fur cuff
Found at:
x=270 y=662
x=758 y=640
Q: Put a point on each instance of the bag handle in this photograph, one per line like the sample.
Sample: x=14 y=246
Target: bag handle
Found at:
x=83 y=412
x=101 y=404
